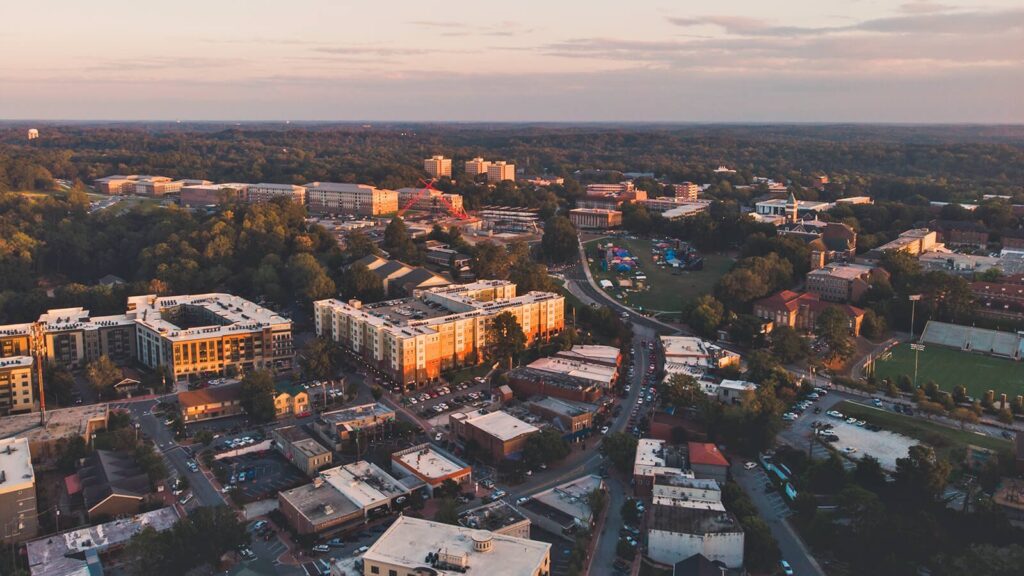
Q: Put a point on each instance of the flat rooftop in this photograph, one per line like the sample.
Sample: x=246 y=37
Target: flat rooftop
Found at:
x=586 y=370
x=564 y=407
x=567 y=381
x=684 y=520
x=494 y=516
x=63 y=554
x=364 y=483
x=499 y=424
x=844 y=271
x=16 y=362
x=227 y=314
x=654 y=456
x=407 y=542
x=683 y=346
x=61 y=423
x=571 y=497
x=15 y=465
x=593 y=353
x=428 y=462
x=357 y=414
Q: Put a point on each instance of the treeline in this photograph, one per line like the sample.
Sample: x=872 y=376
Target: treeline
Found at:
x=256 y=251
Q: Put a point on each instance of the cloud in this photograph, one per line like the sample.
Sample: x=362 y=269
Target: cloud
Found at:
x=925 y=7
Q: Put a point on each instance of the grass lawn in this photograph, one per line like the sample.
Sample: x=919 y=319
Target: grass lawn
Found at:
x=949 y=368
x=665 y=291
x=949 y=443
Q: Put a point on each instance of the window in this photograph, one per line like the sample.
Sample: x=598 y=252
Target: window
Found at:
x=374 y=569
x=392 y=573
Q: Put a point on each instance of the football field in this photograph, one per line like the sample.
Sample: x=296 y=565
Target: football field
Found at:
x=949 y=368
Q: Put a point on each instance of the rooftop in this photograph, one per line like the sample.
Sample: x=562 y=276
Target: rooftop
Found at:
x=61 y=423
x=593 y=353
x=408 y=541
x=364 y=483
x=16 y=362
x=567 y=381
x=501 y=425
x=210 y=315
x=586 y=370
x=319 y=502
x=205 y=396
x=684 y=520
x=685 y=346
x=63 y=554
x=428 y=462
x=354 y=416
x=654 y=456
x=16 y=471
x=707 y=454
x=564 y=407
x=571 y=497
x=493 y=516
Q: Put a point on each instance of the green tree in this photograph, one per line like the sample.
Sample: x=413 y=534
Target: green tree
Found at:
x=545 y=447
x=447 y=512
x=873 y=326
x=60 y=385
x=358 y=245
x=834 y=329
x=359 y=282
x=760 y=550
x=490 y=261
x=597 y=499
x=320 y=360
x=398 y=244
x=309 y=279
x=681 y=390
x=921 y=477
x=620 y=449
x=102 y=374
x=706 y=315
x=788 y=346
x=505 y=338
x=257 y=395
x=559 y=242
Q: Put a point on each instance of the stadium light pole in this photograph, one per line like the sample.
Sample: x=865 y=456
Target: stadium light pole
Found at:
x=913 y=308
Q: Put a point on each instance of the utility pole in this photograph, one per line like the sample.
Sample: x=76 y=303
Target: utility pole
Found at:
x=37 y=338
x=917 y=348
x=913 y=308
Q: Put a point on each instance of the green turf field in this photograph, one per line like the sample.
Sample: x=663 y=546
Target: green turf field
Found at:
x=667 y=291
x=949 y=368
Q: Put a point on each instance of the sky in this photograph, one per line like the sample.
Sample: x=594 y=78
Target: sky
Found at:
x=522 y=60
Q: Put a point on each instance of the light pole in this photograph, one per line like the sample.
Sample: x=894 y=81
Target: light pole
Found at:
x=917 y=348
x=913 y=308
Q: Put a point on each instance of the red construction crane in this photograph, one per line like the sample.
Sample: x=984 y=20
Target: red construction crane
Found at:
x=428 y=186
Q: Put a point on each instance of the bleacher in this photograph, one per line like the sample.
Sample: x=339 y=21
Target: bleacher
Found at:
x=971 y=339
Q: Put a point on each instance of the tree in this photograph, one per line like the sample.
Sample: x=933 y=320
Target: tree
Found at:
x=199 y=539
x=490 y=261
x=921 y=476
x=545 y=447
x=760 y=550
x=321 y=360
x=357 y=281
x=102 y=374
x=505 y=338
x=309 y=279
x=681 y=391
x=706 y=315
x=834 y=329
x=376 y=392
x=60 y=385
x=560 y=241
x=629 y=512
x=869 y=474
x=398 y=244
x=788 y=346
x=597 y=499
x=204 y=437
x=873 y=326
x=257 y=395
x=448 y=489
x=447 y=512
x=358 y=245
x=620 y=449
x=964 y=416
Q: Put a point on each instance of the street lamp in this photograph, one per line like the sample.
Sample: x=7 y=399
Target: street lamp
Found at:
x=913 y=308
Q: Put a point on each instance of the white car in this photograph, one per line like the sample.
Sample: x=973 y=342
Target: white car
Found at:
x=851 y=420
x=522 y=499
x=849 y=449
x=789 y=417
x=413 y=401
x=835 y=414
x=604 y=430
x=750 y=466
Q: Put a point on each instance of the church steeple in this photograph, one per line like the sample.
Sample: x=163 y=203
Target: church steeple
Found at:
x=792 y=208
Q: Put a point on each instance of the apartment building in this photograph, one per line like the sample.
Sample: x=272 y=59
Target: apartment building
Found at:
x=1001 y=299
x=500 y=171
x=842 y=282
x=358 y=199
x=414 y=339
x=438 y=166
x=343 y=430
x=267 y=191
x=429 y=200
x=610 y=196
x=477 y=166
x=433 y=466
x=17 y=394
x=686 y=190
x=203 y=334
x=415 y=546
x=914 y=242
x=141 y=185
x=595 y=218
x=498 y=433
x=19 y=519
x=212 y=194
x=72 y=337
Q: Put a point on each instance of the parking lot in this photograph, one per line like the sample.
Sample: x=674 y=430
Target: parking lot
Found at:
x=436 y=403
x=856 y=441
x=270 y=473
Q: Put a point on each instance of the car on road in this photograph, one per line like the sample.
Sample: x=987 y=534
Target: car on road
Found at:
x=335 y=543
x=786 y=568
x=750 y=465
x=876 y=402
x=185 y=499
x=321 y=548
x=361 y=550
x=522 y=499
x=849 y=449
x=604 y=430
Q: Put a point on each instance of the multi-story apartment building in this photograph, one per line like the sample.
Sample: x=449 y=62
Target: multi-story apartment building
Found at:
x=429 y=200
x=498 y=433
x=595 y=218
x=415 y=546
x=72 y=338
x=686 y=190
x=138 y=184
x=343 y=198
x=212 y=194
x=267 y=191
x=414 y=339
x=477 y=166
x=438 y=166
x=500 y=171
x=19 y=519
x=842 y=282
x=610 y=196
x=16 y=392
x=202 y=334
x=1001 y=299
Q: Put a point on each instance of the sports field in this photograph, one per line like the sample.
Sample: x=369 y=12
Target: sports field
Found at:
x=949 y=368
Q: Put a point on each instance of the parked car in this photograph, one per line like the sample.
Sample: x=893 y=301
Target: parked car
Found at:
x=321 y=548
x=786 y=568
x=750 y=465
